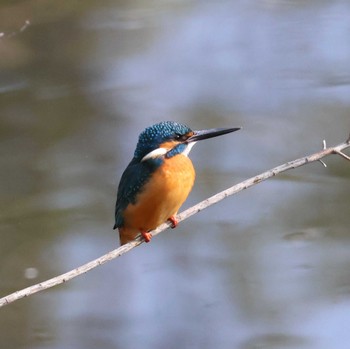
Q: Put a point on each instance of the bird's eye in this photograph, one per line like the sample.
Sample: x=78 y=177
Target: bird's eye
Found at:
x=178 y=137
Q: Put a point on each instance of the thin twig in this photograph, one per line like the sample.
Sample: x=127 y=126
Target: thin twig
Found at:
x=14 y=33
x=342 y=154
x=182 y=216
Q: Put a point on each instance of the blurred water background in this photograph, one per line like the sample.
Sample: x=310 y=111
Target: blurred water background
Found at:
x=268 y=268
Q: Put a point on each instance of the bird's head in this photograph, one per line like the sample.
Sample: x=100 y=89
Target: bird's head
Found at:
x=169 y=138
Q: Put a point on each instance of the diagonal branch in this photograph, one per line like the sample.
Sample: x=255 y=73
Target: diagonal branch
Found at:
x=182 y=216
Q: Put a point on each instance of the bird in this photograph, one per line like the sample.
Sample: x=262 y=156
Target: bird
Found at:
x=158 y=179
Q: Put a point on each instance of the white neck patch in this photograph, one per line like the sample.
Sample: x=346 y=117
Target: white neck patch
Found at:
x=188 y=148
x=156 y=153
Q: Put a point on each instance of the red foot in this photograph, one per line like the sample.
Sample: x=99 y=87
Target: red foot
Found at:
x=173 y=221
x=146 y=235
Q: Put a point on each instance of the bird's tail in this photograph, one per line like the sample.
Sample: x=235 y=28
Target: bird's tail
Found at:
x=127 y=234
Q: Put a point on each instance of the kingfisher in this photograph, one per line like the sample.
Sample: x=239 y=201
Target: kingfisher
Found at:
x=158 y=179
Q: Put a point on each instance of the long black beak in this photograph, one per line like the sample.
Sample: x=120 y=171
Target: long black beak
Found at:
x=213 y=132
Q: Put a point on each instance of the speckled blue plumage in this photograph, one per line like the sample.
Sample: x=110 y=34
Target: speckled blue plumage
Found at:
x=138 y=172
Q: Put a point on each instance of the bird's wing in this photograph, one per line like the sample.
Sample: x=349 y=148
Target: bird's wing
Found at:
x=131 y=183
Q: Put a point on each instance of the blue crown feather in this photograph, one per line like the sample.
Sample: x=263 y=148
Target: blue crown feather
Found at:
x=152 y=137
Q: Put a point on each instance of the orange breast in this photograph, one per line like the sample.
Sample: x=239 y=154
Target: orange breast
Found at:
x=162 y=196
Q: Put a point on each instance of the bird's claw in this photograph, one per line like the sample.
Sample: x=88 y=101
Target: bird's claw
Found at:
x=173 y=222
x=146 y=235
